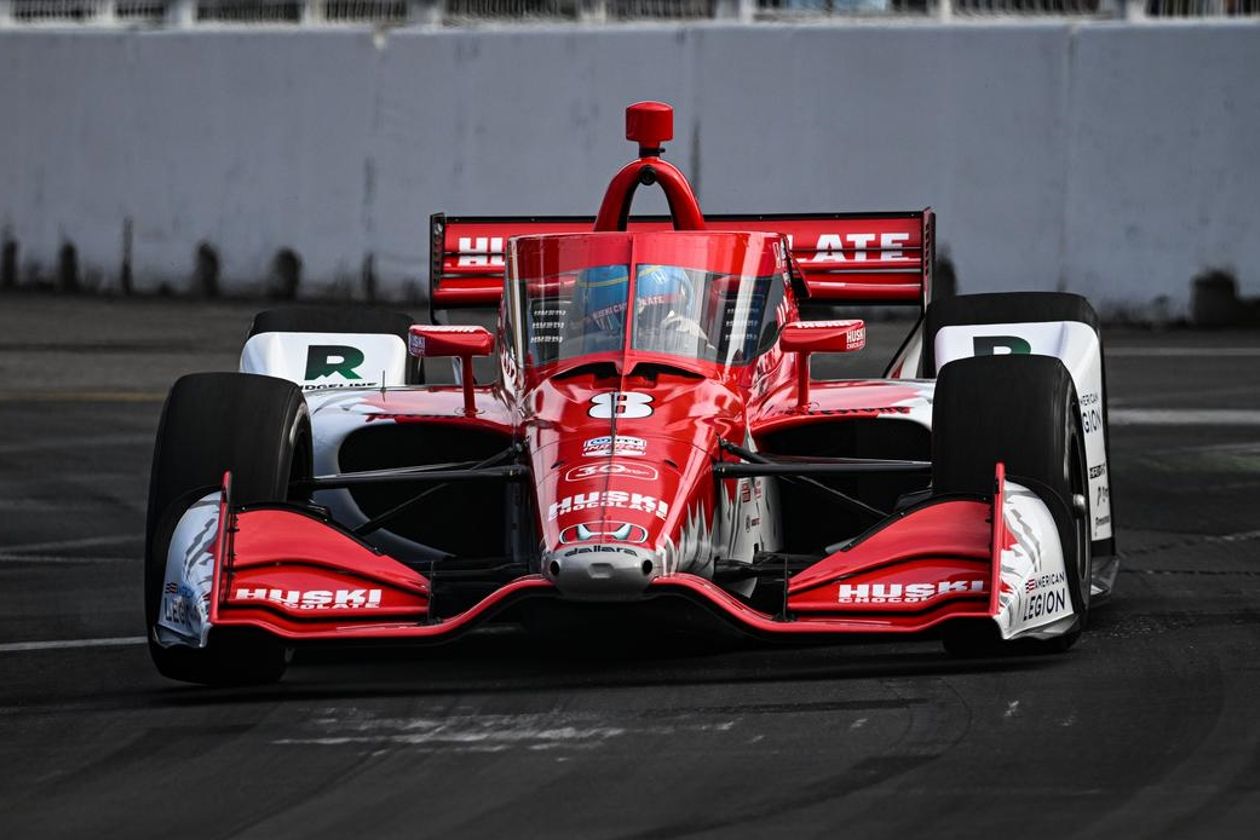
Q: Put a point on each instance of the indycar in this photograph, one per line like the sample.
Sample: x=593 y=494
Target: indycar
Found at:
x=651 y=443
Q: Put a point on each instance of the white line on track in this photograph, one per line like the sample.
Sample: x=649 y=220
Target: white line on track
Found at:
x=1144 y=352
x=83 y=542
x=1184 y=417
x=61 y=559
x=67 y=644
x=1241 y=536
x=82 y=396
x=41 y=445
x=1199 y=395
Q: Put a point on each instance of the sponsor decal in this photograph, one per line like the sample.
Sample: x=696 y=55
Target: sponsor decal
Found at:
x=326 y=359
x=908 y=593
x=314 y=599
x=1042 y=581
x=999 y=345
x=615 y=445
x=1045 y=603
x=608 y=498
x=621 y=404
x=177 y=604
x=177 y=609
x=586 y=472
x=620 y=531
x=1091 y=414
x=597 y=549
x=873 y=411
x=1098 y=471
x=415 y=345
x=480 y=250
x=831 y=247
x=347 y=385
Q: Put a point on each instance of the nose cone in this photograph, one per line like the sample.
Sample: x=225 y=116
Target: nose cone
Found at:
x=624 y=480
x=599 y=571
x=606 y=529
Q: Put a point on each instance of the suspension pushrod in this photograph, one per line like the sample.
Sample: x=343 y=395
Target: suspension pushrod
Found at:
x=724 y=470
x=405 y=476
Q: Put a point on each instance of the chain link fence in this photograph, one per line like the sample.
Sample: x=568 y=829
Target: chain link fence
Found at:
x=1202 y=8
x=389 y=13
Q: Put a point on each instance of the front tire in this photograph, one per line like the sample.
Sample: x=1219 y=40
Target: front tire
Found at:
x=1023 y=411
x=257 y=427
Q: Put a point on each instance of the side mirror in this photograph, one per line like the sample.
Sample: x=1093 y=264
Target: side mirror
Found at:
x=805 y=337
x=429 y=341
x=432 y=341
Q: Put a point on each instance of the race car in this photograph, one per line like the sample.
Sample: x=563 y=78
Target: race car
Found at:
x=651 y=442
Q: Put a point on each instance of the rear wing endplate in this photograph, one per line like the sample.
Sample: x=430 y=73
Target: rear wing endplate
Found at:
x=841 y=258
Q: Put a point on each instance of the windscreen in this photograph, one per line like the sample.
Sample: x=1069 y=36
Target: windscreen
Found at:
x=721 y=318
x=715 y=317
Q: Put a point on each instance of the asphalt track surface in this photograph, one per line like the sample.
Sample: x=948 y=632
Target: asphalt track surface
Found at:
x=1148 y=728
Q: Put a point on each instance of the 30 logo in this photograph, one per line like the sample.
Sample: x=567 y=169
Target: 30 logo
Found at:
x=626 y=404
x=588 y=471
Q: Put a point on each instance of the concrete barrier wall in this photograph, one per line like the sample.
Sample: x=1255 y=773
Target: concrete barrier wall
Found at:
x=1115 y=160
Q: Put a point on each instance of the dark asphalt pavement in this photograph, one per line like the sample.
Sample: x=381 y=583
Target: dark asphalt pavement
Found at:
x=1148 y=728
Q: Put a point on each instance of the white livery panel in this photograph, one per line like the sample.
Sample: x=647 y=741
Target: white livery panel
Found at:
x=1034 y=600
x=184 y=611
x=328 y=360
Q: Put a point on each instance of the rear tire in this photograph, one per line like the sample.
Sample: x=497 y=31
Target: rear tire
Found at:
x=1023 y=411
x=1001 y=308
x=258 y=427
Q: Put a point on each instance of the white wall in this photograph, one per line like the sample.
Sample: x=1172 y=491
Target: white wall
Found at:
x=1111 y=159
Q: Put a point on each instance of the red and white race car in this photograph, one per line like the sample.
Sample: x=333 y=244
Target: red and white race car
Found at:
x=652 y=440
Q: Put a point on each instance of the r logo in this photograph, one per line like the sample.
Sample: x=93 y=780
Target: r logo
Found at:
x=999 y=345
x=620 y=404
x=326 y=359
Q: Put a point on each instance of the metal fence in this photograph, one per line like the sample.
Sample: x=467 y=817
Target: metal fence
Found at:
x=388 y=13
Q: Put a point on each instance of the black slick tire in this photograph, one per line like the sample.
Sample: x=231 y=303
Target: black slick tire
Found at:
x=258 y=427
x=1023 y=411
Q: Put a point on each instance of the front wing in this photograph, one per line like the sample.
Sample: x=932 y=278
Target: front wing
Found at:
x=297 y=576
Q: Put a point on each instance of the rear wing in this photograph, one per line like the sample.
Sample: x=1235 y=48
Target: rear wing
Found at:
x=851 y=258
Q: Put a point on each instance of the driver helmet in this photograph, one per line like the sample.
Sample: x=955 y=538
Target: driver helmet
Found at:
x=601 y=296
x=661 y=290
